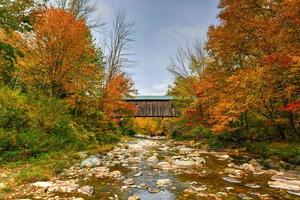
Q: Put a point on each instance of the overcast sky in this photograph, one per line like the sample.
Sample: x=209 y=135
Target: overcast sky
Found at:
x=161 y=25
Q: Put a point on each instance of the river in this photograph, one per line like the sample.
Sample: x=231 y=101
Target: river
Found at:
x=150 y=169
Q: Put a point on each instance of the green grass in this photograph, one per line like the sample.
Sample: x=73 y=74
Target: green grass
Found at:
x=52 y=163
x=289 y=152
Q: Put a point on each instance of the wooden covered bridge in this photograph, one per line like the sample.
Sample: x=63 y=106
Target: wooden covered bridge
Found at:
x=154 y=106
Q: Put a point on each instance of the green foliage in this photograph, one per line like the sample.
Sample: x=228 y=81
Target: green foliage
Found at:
x=34 y=125
x=126 y=127
x=289 y=152
x=107 y=138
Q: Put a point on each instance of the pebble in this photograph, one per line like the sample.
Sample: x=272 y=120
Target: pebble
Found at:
x=231 y=180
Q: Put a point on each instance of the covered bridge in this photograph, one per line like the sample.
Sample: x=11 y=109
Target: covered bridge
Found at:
x=154 y=106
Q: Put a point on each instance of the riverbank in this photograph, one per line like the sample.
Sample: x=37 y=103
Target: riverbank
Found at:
x=164 y=169
x=46 y=166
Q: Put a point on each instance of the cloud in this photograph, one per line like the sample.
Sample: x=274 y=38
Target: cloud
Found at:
x=160 y=89
x=104 y=10
x=179 y=33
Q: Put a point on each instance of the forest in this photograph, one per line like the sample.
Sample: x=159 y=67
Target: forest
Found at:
x=60 y=89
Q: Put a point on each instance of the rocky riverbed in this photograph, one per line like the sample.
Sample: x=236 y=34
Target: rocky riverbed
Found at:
x=162 y=169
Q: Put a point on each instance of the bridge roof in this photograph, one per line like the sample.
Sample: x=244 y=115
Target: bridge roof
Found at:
x=149 y=98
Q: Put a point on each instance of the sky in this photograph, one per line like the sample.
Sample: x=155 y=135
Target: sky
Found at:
x=160 y=27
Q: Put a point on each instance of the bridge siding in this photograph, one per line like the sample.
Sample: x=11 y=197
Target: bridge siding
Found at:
x=155 y=108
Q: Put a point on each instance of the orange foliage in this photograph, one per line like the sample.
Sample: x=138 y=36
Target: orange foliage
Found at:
x=114 y=92
x=58 y=57
x=255 y=68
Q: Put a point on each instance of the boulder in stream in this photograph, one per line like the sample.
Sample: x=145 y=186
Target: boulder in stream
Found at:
x=91 y=161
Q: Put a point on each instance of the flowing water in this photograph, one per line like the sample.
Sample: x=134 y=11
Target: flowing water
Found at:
x=185 y=172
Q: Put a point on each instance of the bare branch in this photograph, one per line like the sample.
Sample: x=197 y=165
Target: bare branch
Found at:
x=81 y=9
x=188 y=60
x=118 y=45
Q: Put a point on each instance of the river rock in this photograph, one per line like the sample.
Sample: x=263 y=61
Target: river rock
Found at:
x=252 y=185
x=185 y=150
x=134 y=159
x=236 y=172
x=138 y=174
x=285 y=184
x=152 y=159
x=163 y=182
x=164 y=165
x=244 y=197
x=231 y=180
x=135 y=148
x=134 y=197
x=91 y=161
x=199 y=188
x=88 y=190
x=43 y=184
x=116 y=174
x=153 y=190
x=222 y=156
x=186 y=163
x=297 y=193
x=286 y=180
x=129 y=181
x=101 y=172
x=67 y=186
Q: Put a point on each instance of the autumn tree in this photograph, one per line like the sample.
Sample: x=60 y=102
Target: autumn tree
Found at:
x=60 y=58
x=117 y=84
x=252 y=74
x=256 y=45
x=14 y=16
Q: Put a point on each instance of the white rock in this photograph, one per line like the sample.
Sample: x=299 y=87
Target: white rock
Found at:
x=231 y=180
x=285 y=184
x=88 y=190
x=134 y=197
x=91 y=161
x=186 y=163
x=138 y=174
x=116 y=174
x=164 y=165
x=152 y=159
x=185 y=150
x=297 y=193
x=43 y=184
x=129 y=181
x=68 y=186
x=244 y=197
x=163 y=182
x=251 y=185
x=222 y=156
x=135 y=148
